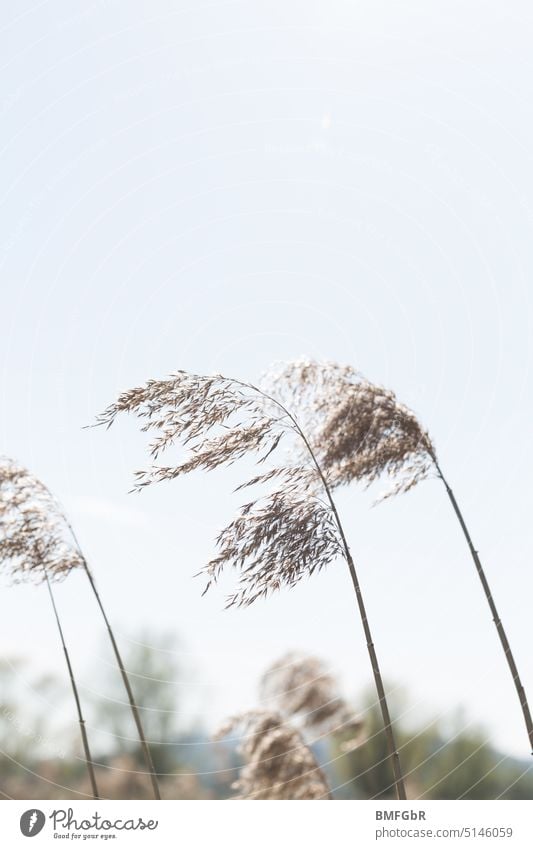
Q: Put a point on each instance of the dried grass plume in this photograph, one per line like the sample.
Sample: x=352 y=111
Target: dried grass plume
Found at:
x=301 y=688
x=294 y=529
x=209 y=421
x=278 y=764
x=35 y=541
x=358 y=429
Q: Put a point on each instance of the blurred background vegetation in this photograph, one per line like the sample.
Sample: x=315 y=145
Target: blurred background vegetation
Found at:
x=40 y=756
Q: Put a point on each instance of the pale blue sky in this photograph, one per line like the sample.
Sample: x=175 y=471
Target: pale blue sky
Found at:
x=217 y=186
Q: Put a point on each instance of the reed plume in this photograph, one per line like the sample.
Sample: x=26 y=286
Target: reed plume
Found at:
x=300 y=687
x=291 y=531
x=38 y=543
x=358 y=431
x=361 y=432
x=35 y=545
x=279 y=765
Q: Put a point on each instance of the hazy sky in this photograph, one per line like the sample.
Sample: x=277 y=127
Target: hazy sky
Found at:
x=216 y=186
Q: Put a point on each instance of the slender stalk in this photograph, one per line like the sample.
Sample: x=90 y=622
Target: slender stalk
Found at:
x=133 y=705
x=85 y=741
x=131 y=698
x=389 y=732
x=495 y=616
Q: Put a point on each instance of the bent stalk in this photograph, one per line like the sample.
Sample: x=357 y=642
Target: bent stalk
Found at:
x=133 y=705
x=131 y=698
x=81 y=720
x=495 y=616
x=387 y=722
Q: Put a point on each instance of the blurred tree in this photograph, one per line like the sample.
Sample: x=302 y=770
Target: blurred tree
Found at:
x=154 y=671
x=445 y=762
x=365 y=772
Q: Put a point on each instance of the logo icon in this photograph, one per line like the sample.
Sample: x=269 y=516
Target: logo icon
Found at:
x=32 y=822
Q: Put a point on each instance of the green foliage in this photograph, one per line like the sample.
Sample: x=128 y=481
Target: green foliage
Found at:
x=439 y=762
x=154 y=673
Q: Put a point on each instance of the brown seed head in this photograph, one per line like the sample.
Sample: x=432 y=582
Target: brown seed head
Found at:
x=359 y=430
x=279 y=765
x=279 y=536
x=301 y=687
x=34 y=536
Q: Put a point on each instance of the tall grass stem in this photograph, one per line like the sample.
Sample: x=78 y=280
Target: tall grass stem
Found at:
x=81 y=720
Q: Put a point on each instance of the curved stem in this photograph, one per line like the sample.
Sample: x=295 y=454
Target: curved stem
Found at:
x=389 y=732
x=83 y=730
x=133 y=705
x=495 y=616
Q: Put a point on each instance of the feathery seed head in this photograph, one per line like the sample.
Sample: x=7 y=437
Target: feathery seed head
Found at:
x=34 y=536
x=358 y=430
x=277 y=537
x=302 y=688
x=279 y=765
